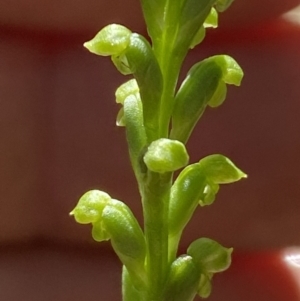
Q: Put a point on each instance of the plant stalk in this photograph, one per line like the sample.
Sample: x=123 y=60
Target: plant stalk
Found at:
x=156 y=194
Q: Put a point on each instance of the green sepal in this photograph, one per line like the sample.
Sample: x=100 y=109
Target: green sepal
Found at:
x=209 y=256
x=183 y=280
x=166 y=155
x=111 y=40
x=90 y=206
x=220 y=170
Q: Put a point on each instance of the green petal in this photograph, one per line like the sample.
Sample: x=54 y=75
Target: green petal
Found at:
x=166 y=155
x=111 y=40
x=99 y=232
x=125 y=90
x=204 y=288
x=90 y=206
x=220 y=169
x=210 y=256
x=209 y=194
x=212 y=19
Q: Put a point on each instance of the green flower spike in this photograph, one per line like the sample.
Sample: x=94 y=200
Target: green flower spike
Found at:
x=158 y=114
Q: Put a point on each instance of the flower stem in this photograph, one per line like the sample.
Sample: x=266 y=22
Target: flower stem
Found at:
x=155 y=199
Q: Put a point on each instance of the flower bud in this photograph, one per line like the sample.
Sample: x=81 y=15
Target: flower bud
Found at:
x=209 y=256
x=165 y=155
x=90 y=206
x=183 y=280
x=111 y=40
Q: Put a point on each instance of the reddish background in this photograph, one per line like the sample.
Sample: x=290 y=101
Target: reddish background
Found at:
x=58 y=139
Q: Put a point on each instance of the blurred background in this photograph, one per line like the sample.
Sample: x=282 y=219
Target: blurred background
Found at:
x=58 y=139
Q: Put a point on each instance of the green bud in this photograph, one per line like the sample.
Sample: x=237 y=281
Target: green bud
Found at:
x=183 y=280
x=90 y=206
x=209 y=256
x=204 y=85
x=220 y=170
x=111 y=40
x=186 y=192
x=135 y=131
x=165 y=155
x=127 y=237
x=191 y=100
x=138 y=59
x=126 y=234
x=129 y=88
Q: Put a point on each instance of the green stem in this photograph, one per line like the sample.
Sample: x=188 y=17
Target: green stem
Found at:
x=167 y=100
x=169 y=63
x=156 y=195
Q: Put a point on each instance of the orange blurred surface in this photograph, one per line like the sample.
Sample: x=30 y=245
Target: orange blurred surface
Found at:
x=89 y=15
